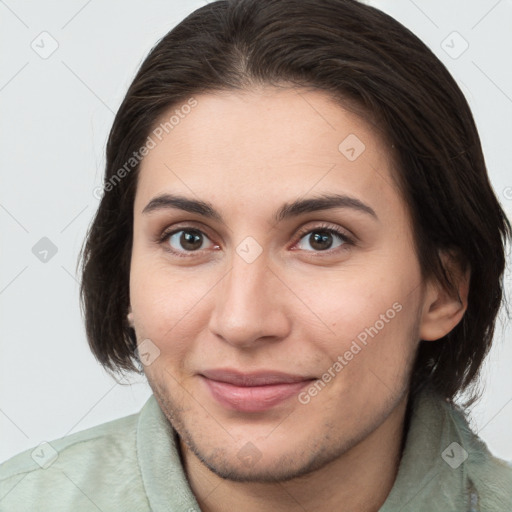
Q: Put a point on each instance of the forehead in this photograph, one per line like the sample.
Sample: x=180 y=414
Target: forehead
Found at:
x=268 y=145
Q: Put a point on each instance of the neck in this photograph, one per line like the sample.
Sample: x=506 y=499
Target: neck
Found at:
x=359 y=480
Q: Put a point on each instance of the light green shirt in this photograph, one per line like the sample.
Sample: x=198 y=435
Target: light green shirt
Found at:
x=133 y=465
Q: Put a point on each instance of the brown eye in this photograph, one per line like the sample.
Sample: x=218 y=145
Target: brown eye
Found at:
x=184 y=240
x=323 y=239
x=320 y=240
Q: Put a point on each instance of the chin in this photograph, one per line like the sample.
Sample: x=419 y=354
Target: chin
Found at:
x=269 y=469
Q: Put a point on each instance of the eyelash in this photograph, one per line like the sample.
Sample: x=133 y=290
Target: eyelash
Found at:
x=327 y=228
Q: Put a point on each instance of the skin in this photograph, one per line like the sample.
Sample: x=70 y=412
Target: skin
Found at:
x=295 y=308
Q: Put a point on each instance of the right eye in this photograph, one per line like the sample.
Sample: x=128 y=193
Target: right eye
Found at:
x=187 y=239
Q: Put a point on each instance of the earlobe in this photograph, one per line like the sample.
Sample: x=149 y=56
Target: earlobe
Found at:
x=129 y=316
x=443 y=310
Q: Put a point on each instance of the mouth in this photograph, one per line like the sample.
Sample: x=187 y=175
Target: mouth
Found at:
x=252 y=392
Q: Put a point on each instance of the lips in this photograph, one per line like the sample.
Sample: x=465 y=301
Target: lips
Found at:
x=252 y=392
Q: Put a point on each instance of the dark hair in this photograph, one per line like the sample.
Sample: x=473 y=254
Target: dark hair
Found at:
x=365 y=60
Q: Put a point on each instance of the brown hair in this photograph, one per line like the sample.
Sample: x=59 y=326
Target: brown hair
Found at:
x=363 y=58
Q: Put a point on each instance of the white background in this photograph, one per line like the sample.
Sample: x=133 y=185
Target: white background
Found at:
x=56 y=114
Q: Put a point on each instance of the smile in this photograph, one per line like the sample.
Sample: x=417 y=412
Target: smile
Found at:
x=255 y=392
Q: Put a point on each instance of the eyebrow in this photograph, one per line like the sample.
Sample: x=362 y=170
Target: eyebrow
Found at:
x=288 y=210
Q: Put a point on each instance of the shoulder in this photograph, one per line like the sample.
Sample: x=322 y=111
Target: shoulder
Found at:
x=78 y=470
x=112 y=436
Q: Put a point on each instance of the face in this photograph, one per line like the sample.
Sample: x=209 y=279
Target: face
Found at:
x=274 y=284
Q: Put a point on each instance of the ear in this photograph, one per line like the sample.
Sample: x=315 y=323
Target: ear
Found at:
x=442 y=311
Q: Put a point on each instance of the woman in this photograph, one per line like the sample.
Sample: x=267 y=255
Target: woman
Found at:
x=298 y=244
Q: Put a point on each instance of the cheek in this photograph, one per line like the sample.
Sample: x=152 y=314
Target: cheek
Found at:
x=371 y=315
x=168 y=304
x=347 y=301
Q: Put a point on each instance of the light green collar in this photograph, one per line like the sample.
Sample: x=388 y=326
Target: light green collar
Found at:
x=166 y=485
x=432 y=475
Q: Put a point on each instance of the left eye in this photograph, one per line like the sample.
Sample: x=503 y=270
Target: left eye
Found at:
x=322 y=239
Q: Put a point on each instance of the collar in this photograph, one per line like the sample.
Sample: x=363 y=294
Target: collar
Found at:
x=166 y=484
x=433 y=471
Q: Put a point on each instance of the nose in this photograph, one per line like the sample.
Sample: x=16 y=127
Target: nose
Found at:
x=250 y=305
